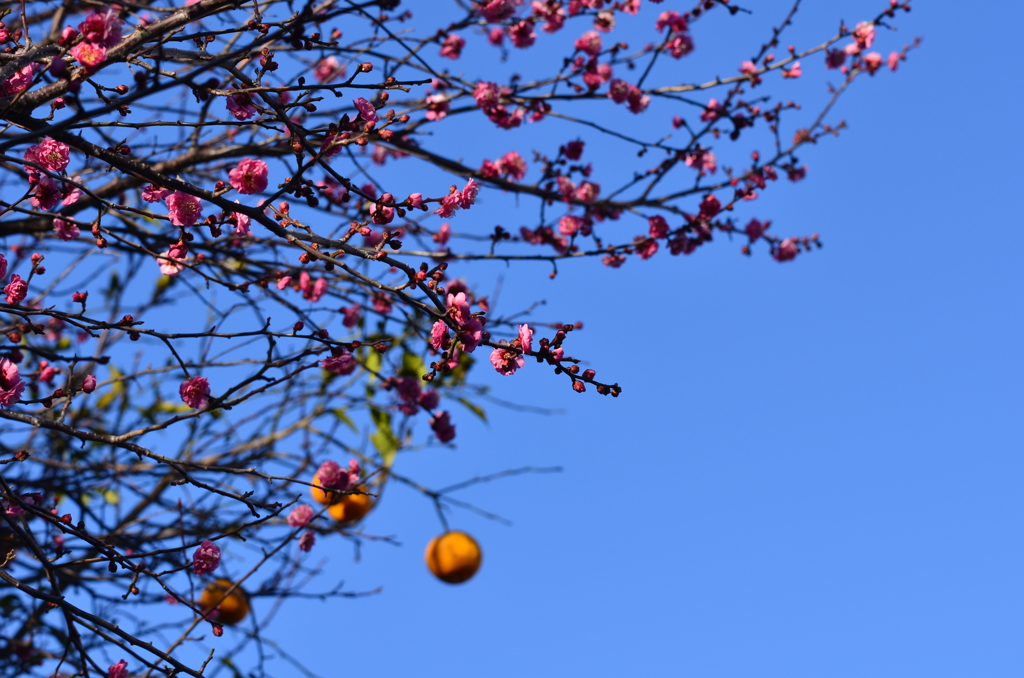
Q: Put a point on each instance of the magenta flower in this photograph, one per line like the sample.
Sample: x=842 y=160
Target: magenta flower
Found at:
x=195 y=392
x=333 y=477
x=486 y=94
x=786 y=250
x=864 y=34
x=65 y=231
x=366 y=110
x=300 y=516
x=872 y=62
x=755 y=229
x=3 y=267
x=118 y=670
x=525 y=338
x=452 y=47
x=522 y=34
x=153 y=194
x=513 y=165
x=241 y=222
x=51 y=154
x=793 y=72
x=240 y=105
x=172 y=261
x=673 y=20
x=343 y=364
x=307 y=541
x=206 y=559
x=589 y=42
x=16 y=290
x=894 y=60
x=47 y=193
x=469 y=193
x=11 y=385
x=506 y=360
x=250 y=176
x=327 y=70
x=439 y=335
x=442 y=426
x=89 y=54
x=428 y=399
x=713 y=111
x=449 y=205
x=312 y=291
x=184 y=209
x=20 y=81
x=351 y=315
x=89 y=383
x=570 y=225
x=416 y=200
x=443 y=233
x=103 y=29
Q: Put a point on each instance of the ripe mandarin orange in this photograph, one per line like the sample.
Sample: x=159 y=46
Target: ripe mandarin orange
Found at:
x=453 y=557
x=320 y=495
x=351 y=508
x=230 y=609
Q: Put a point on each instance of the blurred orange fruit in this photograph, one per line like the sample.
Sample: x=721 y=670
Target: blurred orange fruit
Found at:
x=351 y=508
x=225 y=609
x=453 y=557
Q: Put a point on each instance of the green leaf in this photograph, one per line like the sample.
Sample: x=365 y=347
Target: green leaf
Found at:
x=373 y=361
x=412 y=365
x=343 y=416
x=116 y=389
x=384 y=438
x=475 y=409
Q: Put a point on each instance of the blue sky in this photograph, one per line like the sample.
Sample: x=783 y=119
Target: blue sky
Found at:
x=814 y=468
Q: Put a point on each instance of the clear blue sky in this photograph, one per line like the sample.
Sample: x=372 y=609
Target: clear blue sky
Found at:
x=815 y=469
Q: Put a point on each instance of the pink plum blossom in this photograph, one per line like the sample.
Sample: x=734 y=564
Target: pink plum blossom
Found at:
x=439 y=335
x=522 y=34
x=673 y=20
x=184 y=209
x=300 y=516
x=240 y=106
x=118 y=670
x=350 y=315
x=452 y=46
x=47 y=193
x=343 y=364
x=486 y=94
x=307 y=541
x=589 y=43
x=89 y=383
x=51 y=154
x=793 y=72
x=864 y=34
x=19 y=81
x=206 y=558
x=442 y=426
x=366 y=110
x=785 y=251
x=469 y=193
x=872 y=62
x=16 y=290
x=153 y=194
x=327 y=70
x=172 y=260
x=11 y=385
x=102 y=28
x=250 y=176
x=66 y=231
x=89 y=54
x=755 y=229
x=195 y=392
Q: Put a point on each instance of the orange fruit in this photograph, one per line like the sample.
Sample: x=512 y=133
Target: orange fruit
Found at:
x=320 y=495
x=351 y=508
x=453 y=557
x=229 y=609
